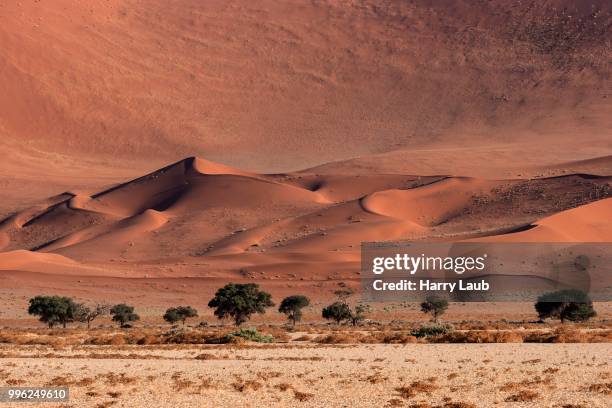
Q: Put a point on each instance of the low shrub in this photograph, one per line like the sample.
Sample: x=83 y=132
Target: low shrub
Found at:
x=337 y=339
x=248 y=334
x=431 y=330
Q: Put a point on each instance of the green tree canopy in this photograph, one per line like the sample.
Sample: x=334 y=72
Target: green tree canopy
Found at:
x=180 y=314
x=337 y=311
x=292 y=307
x=568 y=304
x=240 y=301
x=123 y=313
x=53 y=309
x=434 y=305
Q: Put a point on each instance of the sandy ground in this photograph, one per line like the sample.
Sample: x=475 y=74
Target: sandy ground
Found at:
x=560 y=375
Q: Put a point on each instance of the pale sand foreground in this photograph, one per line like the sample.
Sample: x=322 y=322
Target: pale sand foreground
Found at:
x=562 y=375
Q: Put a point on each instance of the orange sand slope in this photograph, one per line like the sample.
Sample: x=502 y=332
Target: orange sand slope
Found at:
x=206 y=219
x=588 y=223
x=271 y=85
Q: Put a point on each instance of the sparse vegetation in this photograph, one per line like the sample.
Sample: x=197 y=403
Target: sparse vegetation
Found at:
x=416 y=387
x=523 y=396
x=430 y=330
x=250 y=334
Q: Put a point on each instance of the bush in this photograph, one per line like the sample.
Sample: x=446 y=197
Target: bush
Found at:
x=250 y=334
x=240 y=301
x=569 y=304
x=431 y=330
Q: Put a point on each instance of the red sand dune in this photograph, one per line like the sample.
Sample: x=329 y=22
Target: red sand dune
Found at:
x=207 y=220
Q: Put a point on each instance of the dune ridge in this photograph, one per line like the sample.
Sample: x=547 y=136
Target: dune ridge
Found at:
x=196 y=218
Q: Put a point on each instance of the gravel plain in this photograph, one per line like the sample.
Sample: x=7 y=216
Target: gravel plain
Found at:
x=411 y=375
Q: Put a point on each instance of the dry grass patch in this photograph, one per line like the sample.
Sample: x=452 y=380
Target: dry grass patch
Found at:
x=523 y=396
x=302 y=396
x=376 y=378
x=601 y=388
x=283 y=386
x=180 y=383
x=106 y=404
x=114 y=379
x=336 y=339
x=208 y=356
x=266 y=375
x=448 y=404
x=304 y=337
x=61 y=381
x=244 y=386
x=416 y=387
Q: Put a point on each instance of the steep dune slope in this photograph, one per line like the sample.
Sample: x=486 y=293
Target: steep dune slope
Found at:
x=278 y=85
x=589 y=223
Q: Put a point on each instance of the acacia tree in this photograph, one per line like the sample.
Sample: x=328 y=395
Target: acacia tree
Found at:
x=337 y=311
x=179 y=314
x=434 y=305
x=292 y=307
x=360 y=312
x=123 y=313
x=87 y=314
x=240 y=301
x=568 y=304
x=53 y=309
